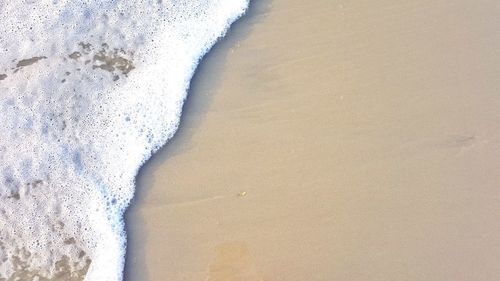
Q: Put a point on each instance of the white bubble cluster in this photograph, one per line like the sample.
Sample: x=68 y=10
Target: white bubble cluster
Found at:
x=88 y=90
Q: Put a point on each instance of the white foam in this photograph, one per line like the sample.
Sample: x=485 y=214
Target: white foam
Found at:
x=88 y=90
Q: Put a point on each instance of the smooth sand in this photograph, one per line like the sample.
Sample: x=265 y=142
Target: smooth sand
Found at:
x=328 y=140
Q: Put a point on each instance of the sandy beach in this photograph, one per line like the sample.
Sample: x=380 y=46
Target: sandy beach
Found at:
x=328 y=140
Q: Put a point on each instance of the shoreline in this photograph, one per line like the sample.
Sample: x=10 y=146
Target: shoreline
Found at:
x=194 y=108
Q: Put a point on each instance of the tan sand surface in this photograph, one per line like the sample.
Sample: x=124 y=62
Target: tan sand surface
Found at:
x=333 y=140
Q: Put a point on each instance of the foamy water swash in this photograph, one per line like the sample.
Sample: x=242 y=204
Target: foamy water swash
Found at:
x=88 y=91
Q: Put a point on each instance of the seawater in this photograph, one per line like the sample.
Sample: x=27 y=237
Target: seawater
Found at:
x=88 y=91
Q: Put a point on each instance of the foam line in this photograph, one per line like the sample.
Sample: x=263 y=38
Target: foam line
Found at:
x=88 y=91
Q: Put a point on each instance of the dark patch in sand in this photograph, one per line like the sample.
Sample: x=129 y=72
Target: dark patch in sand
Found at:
x=116 y=61
x=233 y=261
x=75 y=55
x=30 y=61
x=70 y=241
x=87 y=47
x=15 y=195
x=111 y=61
x=35 y=183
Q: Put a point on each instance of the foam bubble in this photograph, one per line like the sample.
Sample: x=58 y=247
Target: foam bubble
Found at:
x=88 y=91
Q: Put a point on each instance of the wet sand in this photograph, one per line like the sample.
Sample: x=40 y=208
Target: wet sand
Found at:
x=332 y=141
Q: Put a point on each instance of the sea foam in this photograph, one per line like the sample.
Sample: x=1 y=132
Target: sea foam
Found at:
x=88 y=91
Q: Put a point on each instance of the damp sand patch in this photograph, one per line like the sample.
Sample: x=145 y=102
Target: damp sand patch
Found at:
x=116 y=61
x=30 y=61
x=64 y=270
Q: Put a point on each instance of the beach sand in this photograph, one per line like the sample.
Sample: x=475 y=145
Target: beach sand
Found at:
x=330 y=140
